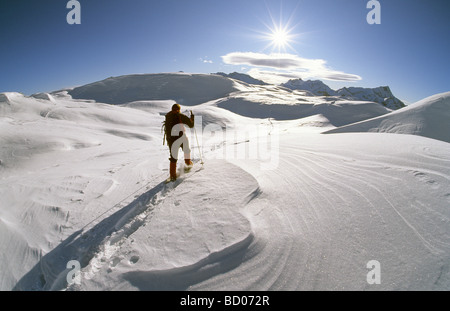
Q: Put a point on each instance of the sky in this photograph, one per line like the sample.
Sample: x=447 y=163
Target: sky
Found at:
x=328 y=40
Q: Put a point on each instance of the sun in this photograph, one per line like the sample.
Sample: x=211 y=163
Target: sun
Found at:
x=281 y=34
x=280 y=37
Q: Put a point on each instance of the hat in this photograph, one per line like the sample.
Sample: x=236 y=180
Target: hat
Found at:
x=176 y=107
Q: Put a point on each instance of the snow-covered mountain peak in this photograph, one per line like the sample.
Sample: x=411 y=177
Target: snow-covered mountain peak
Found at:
x=242 y=77
x=382 y=95
x=316 y=87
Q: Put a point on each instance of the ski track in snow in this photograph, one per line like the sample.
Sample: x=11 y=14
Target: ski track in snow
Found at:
x=98 y=246
x=204 y=259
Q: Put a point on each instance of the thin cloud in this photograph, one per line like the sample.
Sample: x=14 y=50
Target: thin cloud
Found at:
x=291 y=66
x=207 y=61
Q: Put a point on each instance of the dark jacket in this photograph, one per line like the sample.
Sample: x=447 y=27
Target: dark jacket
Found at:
x=173 y=118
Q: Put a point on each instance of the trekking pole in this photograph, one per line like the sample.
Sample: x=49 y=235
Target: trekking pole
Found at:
x=199 y=150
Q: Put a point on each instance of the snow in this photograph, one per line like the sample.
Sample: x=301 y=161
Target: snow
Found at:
x=382 y=95
x=242 y=77
x=186 y=89
x=277 y=205
x=316 y=87
x=428 y=117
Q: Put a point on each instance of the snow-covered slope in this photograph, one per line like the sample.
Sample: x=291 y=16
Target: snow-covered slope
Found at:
x=429 y=117
x=276 y=205
x=242 y=77
x=246 y=99
x=279 y=104
x=186 y=89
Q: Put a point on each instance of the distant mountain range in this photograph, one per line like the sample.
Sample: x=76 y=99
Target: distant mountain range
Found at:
x=382 y=95
x=194 y=89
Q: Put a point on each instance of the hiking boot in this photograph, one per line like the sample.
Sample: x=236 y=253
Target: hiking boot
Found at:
x=173 y=171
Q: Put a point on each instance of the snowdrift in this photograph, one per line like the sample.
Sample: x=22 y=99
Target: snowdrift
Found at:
x=180 y=236
x=185 y=89
x=429 y=117
x=338 y=112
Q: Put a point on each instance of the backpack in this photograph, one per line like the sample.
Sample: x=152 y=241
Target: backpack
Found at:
x=165 y=127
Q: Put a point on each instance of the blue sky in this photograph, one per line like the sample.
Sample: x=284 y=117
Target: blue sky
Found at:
x=408 y=51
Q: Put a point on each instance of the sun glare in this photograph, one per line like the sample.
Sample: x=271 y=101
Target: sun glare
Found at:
x=280 y=33
x=280 y=37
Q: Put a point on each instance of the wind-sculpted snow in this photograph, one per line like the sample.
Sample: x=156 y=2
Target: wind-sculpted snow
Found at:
x=192 y=234
x=333 y=205
x=429 y=117
x=337 y=112
x=208 y=235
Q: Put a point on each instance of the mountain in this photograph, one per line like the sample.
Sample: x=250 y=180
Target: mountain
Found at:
x=429 y=117
x=195 y=89
x=185 y=89
x=242 y=77
x=150 y=91
x=316 y=87
x=382 y=95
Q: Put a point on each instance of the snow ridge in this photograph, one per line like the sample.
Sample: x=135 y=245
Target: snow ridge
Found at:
x=242 y=77
x=186 y=89
x=429 y=117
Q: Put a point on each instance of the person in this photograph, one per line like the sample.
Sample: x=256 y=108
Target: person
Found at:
x=176 y=138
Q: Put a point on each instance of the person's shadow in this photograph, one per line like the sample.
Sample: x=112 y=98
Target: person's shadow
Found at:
x=52 y=270
x=50 y=273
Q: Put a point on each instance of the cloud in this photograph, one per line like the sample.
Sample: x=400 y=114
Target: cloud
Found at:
x=287 y=66
x=206 y=60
